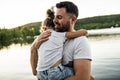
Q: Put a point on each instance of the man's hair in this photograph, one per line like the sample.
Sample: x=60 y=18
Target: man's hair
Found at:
x=69 y=6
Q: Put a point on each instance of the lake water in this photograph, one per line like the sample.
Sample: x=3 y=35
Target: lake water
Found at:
x=106 y=58
x=15 y=63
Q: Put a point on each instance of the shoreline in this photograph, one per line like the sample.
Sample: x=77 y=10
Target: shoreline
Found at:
x=106 y=31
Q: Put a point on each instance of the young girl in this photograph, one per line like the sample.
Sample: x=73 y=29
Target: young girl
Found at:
x=49 y=65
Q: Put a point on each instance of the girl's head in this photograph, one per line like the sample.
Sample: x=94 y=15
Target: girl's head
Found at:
x=48 y=22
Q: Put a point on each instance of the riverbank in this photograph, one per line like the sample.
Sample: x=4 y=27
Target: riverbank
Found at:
x=106 y=31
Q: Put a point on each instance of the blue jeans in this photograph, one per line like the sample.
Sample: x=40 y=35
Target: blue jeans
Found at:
x=57 y=73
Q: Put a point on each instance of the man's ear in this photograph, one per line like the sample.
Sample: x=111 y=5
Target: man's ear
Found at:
x=74 y=19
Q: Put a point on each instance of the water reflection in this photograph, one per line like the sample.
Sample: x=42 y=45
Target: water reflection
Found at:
x=106 y=57
x=6 y=44
x=105 y=65
x=15 y=63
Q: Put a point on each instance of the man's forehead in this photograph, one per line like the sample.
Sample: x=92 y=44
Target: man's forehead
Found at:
x=59 y=11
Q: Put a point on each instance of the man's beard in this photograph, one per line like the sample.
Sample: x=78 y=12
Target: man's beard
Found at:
x=62 y=27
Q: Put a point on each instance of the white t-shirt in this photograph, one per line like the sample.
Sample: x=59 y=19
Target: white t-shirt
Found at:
x=77 y=48
x=50 y=51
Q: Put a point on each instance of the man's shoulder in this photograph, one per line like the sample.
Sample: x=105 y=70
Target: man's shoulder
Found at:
x=80 y=38
x=77 y=41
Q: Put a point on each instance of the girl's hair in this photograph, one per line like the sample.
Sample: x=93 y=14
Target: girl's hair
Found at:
x=48 y=22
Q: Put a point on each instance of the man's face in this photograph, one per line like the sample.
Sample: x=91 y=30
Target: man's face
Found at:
x=61 y=20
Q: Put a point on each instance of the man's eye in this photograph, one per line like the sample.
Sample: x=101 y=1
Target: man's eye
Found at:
x=59 y=17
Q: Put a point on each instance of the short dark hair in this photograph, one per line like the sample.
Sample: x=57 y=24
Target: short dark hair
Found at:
x=69 y=6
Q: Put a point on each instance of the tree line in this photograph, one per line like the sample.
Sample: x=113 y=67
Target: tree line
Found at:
x=98 y=22
x=26 y=33
x=22 y=34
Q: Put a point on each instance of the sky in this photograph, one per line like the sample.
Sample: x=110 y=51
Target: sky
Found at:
x=15 y=13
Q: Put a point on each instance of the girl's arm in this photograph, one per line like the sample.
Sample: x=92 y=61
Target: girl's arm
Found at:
x=81 y=32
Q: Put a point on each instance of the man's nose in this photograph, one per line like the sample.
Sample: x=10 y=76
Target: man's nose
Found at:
x=55 y=20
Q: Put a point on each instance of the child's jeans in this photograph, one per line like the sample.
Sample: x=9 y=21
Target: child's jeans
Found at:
x=57 y=73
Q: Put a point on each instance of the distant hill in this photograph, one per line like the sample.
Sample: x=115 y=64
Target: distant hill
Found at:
x=29 y=25
x=97 y=22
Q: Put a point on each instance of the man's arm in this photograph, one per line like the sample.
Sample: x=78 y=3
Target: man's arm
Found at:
x=81 y=32
x=35 y=45
x=82 y=59
x=82 y=68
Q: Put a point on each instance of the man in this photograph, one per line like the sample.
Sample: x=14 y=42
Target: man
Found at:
x=76 y=51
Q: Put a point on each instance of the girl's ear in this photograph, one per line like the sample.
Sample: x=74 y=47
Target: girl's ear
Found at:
x=44 y=28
